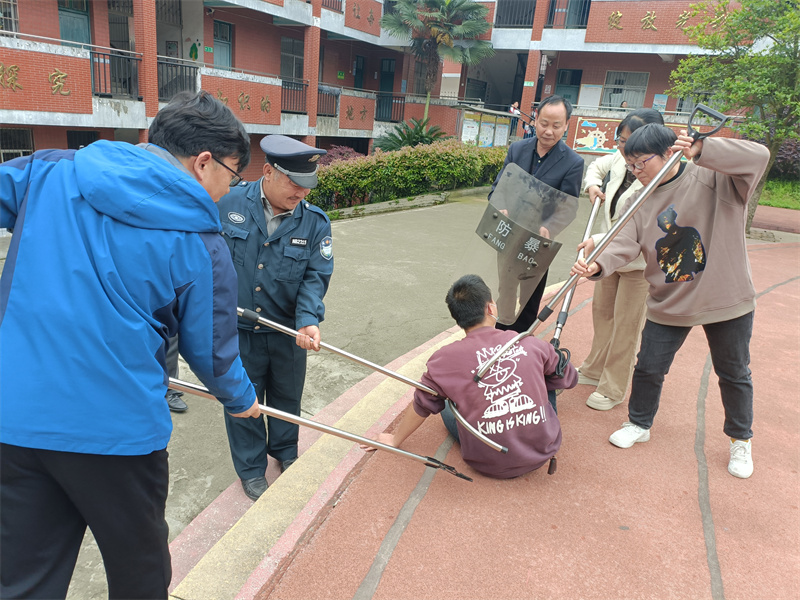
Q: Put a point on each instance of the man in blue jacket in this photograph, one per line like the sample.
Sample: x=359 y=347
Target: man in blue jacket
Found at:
x=283 y=254
x=116 y=248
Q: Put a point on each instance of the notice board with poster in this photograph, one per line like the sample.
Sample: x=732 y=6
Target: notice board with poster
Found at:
x=486 y=135
x=469 y=130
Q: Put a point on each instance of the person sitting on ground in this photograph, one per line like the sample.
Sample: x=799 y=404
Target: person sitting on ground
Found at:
x=618 y=303
x=509 y=404
x=709 y=194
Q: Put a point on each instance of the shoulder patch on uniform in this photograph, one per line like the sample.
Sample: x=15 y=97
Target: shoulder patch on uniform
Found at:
x=326 y=247
x=235 y=217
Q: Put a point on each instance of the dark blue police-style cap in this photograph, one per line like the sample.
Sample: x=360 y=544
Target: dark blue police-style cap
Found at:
x=293 y=158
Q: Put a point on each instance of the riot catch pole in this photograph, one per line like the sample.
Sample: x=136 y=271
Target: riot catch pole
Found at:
x=256 y=318
x=673 y=160
x=562 y=316
x=198 y=390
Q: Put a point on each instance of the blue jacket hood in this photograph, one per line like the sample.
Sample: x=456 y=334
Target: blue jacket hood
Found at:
x=149 y=192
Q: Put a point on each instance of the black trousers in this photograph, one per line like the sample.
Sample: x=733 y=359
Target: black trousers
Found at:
x=277 y=367
x=48 y=498
x=530 y=311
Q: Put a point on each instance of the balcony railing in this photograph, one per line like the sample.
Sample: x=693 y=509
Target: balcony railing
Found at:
x=293 y=96
x=390 y=107
x=332 y=4
x=568 y=14
x=115 y=75
x=327 y=102
x=511 y=14
x=174 y=77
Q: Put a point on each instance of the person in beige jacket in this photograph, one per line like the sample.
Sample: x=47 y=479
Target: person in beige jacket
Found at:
x=691 y=233
x=618 y=305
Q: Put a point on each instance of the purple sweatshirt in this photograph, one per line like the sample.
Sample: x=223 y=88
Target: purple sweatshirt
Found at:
x=509 y=405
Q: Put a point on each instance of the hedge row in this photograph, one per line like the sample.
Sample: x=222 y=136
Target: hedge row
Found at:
x=407 y=172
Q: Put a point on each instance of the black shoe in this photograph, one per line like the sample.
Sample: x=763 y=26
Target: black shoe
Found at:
x=253 y=488
x=287 y=463
x=175 y=403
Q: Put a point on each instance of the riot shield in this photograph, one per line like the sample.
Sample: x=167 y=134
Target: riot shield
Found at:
x=515 y=238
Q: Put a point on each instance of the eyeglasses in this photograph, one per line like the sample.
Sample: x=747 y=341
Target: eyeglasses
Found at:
x=620 y=141
x=639 y=164
x=236 y=179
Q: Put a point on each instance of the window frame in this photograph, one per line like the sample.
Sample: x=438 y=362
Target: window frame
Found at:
x=12 y=18
x=7 y=153
x=634 y=95
x=292 y=54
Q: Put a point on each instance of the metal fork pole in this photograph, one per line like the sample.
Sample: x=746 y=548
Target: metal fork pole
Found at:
x=256 y=318
x=562 y=316
x=198 y=390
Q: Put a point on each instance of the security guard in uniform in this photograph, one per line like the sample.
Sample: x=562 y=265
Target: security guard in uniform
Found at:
x=283 y=254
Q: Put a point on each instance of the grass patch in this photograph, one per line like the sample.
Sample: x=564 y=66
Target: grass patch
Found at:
x=781 y=194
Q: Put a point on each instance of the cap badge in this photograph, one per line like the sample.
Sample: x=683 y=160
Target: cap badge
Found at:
x=314 y=158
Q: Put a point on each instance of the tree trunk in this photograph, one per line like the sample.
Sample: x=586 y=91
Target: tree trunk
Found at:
x=752 y=205
x=427 y=104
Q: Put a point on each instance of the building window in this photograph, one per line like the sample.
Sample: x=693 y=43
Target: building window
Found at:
x=81 y=5
x=78 y=139
x=625 y=87
x=9 y=20
x=223 y=44
x=123 y=7
x=476 y=89
x=291 y=58
x=420 y=71
x=169 y=12
x=73 y=21
x=15 y=143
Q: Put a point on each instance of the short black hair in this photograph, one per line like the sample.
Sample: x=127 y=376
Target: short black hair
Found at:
x=467 y=299
x=197 y=122
x=650 y=139
x=639 y=117
x=554 y=99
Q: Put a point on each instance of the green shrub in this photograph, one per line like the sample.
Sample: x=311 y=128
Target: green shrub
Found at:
x=410 y=134
x=406 y=172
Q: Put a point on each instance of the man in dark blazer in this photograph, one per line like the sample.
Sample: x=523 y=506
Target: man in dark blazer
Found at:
x=550 y=161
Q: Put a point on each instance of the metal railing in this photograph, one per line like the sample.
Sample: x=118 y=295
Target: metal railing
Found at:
x=390 y=107
x=514 y=14
x=332 y=4
x=293 y=96
x=115 y=75
x=327 y=104
x=568 y=14
x=174 y=77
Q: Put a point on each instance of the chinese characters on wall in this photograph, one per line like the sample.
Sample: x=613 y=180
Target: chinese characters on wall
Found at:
x=648 y=21
x=10 y=76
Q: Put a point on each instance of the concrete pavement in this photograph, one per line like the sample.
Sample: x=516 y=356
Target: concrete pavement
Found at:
x=663 y=519
x=660 y=520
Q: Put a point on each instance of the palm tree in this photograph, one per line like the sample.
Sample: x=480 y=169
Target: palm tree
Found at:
x=440 y=29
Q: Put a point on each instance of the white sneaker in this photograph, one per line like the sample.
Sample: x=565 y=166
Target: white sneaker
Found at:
x=629 y=435
x=584 y=380
x=599 y=402
x=741 y=463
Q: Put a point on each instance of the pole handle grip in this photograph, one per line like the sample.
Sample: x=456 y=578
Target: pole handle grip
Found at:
x=708 y=111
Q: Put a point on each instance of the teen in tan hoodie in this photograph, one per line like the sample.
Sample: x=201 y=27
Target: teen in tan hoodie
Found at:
x=691 y=233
